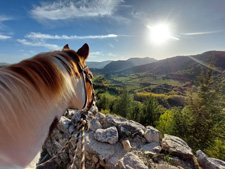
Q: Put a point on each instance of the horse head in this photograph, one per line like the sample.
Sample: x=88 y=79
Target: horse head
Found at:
x=84 y=98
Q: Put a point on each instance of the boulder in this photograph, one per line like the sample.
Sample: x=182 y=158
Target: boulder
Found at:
x=94 y=109
x=164 y=166
x=69 y=113
x=131 y=161
x=77 y=115
x=209 y=163
x=176 y=146
x=151 y=134
x=101 y=118
x=66 y=122
x=107 y=154
x=178 y=162
x=126 y=145
x=94 y=124
x=109 y=135
x=151 y=147
x=125 y=127
x=103 y=151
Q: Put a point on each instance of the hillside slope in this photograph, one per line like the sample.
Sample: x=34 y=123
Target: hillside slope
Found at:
x=98 y=65
x=181 y=63
x=117 y=66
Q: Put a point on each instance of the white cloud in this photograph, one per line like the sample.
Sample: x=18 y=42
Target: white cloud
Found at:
x=38 y=43
x=139 y=14
x=4 y=18
x=96 y=53
x=3 y=37
x=34 y=35
x=112 y=55
x=70 y=9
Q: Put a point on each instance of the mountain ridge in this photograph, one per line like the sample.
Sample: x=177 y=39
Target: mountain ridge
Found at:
x=177 y=64
x=180 y=63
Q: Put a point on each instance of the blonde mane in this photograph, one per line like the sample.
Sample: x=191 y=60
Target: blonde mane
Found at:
x=30 y=90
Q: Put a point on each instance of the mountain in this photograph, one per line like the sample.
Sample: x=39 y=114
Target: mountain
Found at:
x=182 y=63
x=3 y=63
x=120 y=65
x=141 y=61
x=98 y=65
x=117 y=66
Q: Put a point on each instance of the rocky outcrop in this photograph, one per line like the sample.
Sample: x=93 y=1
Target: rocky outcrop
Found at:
x=176 y=146
x=151 y=134
x=109 y=135
x=114 y=142
x=131 y=161
x=209 y=163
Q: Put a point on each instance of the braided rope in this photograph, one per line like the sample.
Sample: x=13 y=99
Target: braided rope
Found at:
x=80 y=130
x=63 y=149
x=83 y=148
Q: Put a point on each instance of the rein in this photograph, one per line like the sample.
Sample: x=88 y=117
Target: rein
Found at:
x=82 y=124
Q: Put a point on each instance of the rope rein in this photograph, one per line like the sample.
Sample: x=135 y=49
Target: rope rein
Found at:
x=80 y=127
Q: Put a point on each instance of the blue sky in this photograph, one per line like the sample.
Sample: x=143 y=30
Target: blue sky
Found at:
x=114 y=29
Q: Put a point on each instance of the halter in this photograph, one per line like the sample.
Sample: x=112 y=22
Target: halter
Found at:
x=88 y=77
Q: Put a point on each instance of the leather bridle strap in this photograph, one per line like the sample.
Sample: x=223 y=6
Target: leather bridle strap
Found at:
x=88 y=77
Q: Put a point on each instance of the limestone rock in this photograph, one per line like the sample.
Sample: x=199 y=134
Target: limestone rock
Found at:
x=152 y=134
x=107 y=154
x=119 y=153
x=164 y=166
x=69 y=114
x=101 y=118
x=152 y=147
x=178 y=162
x=176 y=146
x=94 y=124
x=125 y=127
x=126 y=145
x=94 y=109
x=102 y=150
x=209 y=163
x=66 y=122
x=131 y=161
x=77 y=115
x=109 y=135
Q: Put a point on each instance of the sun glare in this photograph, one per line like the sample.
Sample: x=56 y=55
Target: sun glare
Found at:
x=160 y=34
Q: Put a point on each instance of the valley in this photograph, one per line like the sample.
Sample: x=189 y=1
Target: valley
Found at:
x=182 y=96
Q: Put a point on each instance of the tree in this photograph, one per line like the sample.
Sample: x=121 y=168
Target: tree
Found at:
x=204 y=112
x=172 y=122
x=136 y=111
x=150 y=112
x=103 y=103
x=123 y=105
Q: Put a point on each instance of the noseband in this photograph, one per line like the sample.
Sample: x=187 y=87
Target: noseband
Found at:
x=88 y=77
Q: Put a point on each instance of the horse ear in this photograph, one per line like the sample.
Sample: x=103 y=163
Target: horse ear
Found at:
x=84 y=51
x=66 y=47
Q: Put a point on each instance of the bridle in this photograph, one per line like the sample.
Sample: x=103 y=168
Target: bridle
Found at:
x=88 y=77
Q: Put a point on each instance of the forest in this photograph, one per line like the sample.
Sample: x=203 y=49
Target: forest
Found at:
x=193 y=110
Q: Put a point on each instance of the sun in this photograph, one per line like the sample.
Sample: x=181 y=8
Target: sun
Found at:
x=160 y=33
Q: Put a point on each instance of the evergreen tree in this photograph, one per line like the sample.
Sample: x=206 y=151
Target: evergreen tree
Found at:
x=123 y=105
x=150 y=112
x=103 y=103
x=204 y=112
x=136 y=111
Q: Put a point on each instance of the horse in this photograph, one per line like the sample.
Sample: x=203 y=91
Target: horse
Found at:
x=34 y=94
